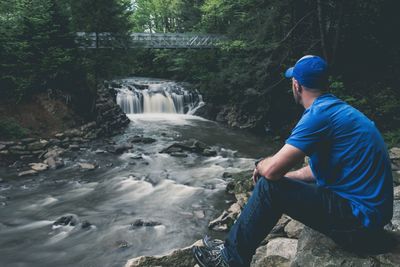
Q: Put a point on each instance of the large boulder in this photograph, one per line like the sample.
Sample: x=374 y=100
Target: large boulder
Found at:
x=177 y=258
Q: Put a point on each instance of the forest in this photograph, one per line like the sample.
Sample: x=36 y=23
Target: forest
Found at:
x=39 y=52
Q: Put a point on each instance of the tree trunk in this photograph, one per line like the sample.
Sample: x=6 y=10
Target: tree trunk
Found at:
x=322 y=30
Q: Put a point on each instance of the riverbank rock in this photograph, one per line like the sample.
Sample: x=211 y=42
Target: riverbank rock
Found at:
x=177 y=258
x=141 y=139
x=142 y=223
x=71 y=220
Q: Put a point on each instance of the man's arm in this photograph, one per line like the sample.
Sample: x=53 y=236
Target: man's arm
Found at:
x=304 y=174
x=277 y=166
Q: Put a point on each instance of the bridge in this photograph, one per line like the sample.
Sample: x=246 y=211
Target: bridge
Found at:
x=149 y=40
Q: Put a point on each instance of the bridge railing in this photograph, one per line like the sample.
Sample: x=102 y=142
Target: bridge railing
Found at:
x=149 y=40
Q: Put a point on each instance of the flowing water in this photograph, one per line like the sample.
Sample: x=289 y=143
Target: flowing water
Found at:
x=181 y=195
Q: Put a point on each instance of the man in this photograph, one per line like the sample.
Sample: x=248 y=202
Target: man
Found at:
x=351 y=197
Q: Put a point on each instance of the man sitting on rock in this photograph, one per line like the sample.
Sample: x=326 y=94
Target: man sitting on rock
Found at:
x=351 y=197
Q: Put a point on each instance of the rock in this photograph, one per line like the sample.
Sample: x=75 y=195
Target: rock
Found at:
x=53 y=152
x=87 y=166
x=28 y=140
x=70 y=219
x=293 y=229
x=54 y=163
x=38 y=166
x=85 y=225
x=273 y=261
x=179 y=154
x=2 y=147
x=99 y=151
x=141 y=223
x=397 y=193
x=1 y=180
x=226 y=219
x=27 y=173
x=119 y=149
x=136 y=156
x=74 y=147
x=122 y=244
x=394 y=153
x=193 y=146
x=177 y=258
x=316 y=249
x=37 y=145
x=60 y=135
x=7 y=143
x=199 y=214
x=394 y=225
x=73 y=133
x=283 y=247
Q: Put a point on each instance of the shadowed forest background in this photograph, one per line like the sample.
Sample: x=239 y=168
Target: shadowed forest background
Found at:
x=39 y=55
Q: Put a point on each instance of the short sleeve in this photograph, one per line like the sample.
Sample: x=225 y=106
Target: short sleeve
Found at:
x=311 y=130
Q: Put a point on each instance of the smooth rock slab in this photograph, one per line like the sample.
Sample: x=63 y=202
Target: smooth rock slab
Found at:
x=39 y=166
x=87 y=166
x=316 y=249
x=283 y=247
x=293 y=229
x=177 y=258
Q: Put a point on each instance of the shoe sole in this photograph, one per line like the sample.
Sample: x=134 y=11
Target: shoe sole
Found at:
x=194 y=251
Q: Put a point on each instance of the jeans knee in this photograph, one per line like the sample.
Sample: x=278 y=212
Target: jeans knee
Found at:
x=264 y=185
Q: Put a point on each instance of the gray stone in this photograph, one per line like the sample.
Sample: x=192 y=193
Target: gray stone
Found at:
x=396 y=192
x=177 y=258
x=2 y=147
x=394 y=153
x=54 y=163
x=315 y=249
x=37 y=145
x=27 y=140
x=283 y=247
x=226 y=219
x=119 y=149
x=293 y=229
x=73 y=133
x=7 y=143
x=54 y=152
x=87 y=166
x=27 y=173
x=38 y=166
x=60 y=135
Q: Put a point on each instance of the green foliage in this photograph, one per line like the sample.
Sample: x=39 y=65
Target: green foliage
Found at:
x=9 y=128
x=392 y=138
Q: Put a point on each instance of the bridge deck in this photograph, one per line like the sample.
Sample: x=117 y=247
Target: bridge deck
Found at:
x=150 y=40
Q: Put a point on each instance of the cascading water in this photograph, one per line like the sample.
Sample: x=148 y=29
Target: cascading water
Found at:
x=156 y=97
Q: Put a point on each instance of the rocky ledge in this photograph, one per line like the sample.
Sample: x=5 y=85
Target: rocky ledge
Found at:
x=290 y=243
x=41 y=154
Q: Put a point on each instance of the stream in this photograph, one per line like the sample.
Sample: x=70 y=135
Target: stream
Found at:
x=141 y=202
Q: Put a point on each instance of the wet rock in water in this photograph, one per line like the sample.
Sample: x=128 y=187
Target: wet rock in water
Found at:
x=86 y=225
x=99 y=151
x=141 y=139
x=71 y=220
x=179 y=154
x=293 y=229
x=27 y=173
x=122 y=244
x=119 y=149
x=54 y=163
x=53 y=152
x=109 y=165
x=141 y=223
x=39 y=166
x=193 y=146
x=136 y=156
x=2 y=147
x=87 y=166
x=177 y=258
x=199 y=214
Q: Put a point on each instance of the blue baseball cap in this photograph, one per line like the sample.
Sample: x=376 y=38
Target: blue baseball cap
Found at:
x=310 y=71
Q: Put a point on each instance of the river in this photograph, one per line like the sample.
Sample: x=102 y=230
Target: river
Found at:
x=176 y=196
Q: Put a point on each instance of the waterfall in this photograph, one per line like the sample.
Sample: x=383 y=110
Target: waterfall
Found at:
x=151 y=96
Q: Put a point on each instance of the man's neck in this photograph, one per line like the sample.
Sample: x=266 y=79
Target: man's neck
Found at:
x=309 y=98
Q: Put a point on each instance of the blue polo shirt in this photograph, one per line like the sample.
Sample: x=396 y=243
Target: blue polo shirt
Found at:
x=348 y=156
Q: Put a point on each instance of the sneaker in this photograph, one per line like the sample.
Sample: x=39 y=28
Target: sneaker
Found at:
x=209 y=257
x=213 y=243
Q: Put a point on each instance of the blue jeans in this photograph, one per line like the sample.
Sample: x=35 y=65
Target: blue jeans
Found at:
x=317 y=207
